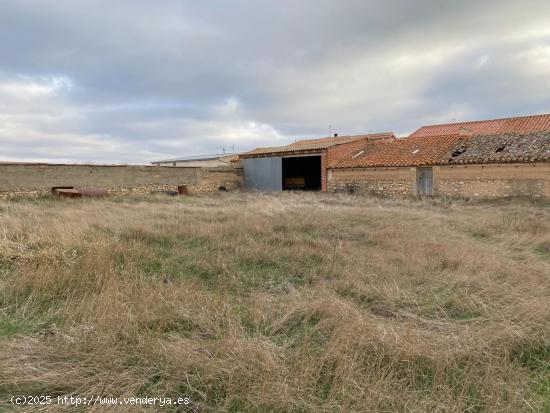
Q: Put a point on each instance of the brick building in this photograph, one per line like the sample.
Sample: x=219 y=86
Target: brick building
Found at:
x=485 y=166
x=490 y=158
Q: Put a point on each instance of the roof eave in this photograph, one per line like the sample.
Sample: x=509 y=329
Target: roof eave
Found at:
x=282 y=153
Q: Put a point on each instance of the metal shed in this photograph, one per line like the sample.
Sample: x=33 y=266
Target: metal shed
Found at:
x=301 y=165
x=263 y=174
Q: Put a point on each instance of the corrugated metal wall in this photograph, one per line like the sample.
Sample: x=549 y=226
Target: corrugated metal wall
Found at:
x=263 y=174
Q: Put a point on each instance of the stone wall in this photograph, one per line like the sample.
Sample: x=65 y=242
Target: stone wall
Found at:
x=209 y=163
x=493 y=180
x=460 y=181
x=28 y=179
x=379 y=181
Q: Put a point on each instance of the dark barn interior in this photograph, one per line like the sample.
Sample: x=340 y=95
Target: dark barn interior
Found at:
x=302 y=172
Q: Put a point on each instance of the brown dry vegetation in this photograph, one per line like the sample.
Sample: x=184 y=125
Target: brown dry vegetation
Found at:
x=287 y=303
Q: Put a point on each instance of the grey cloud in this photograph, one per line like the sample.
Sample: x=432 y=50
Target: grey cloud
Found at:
x=139 y=80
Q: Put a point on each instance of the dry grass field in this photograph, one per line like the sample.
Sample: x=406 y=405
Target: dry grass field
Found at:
x=291 y=303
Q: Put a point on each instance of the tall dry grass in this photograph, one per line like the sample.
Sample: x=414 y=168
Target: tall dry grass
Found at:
x=282 y=303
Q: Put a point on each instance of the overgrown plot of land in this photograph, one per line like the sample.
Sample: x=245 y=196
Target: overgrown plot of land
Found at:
x=295 y=302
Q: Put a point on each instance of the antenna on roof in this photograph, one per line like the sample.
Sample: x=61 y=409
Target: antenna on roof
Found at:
x=329 y=130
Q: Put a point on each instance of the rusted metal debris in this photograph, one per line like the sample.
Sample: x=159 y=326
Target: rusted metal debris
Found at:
x=72 y=192
x=57 y=188
x=68 y=193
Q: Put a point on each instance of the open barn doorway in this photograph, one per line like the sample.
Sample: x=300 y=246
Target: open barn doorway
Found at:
x=302 y=173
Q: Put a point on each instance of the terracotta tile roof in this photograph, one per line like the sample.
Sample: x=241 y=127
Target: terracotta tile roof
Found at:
x=401 y=152
x=336 y=153
x=284 y=149
x=522 y=125
x=316 y=144
x=533 y=147
x=343 y=139
x=453 y=149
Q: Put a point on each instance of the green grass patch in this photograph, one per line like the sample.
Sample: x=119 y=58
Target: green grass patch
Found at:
x=166 y=255
x=300 y=332
x=325 y=379
x=6 y=268
x=14 y=326
x=257 y=271
x=442 y=305
x=480 y=235
x=203 y=270
x=279 y=273
x=535 y=357
x=361 y=299
x=10 y=328
x=543 y=249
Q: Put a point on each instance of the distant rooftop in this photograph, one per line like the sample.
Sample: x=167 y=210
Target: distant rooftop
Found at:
x=197 y=157
x=449 y=150
x=521 y=125
x=318 y=144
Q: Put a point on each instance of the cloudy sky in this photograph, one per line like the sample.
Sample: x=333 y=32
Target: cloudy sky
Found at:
x=131 y=81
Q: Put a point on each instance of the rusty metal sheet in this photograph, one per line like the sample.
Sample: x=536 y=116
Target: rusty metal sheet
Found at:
x=56 y=188
x=68 y=193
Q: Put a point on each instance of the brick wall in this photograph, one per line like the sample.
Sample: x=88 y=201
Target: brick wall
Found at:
x=493 y=180
x=21 y=179
x=380 y=181
x=324 y=162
